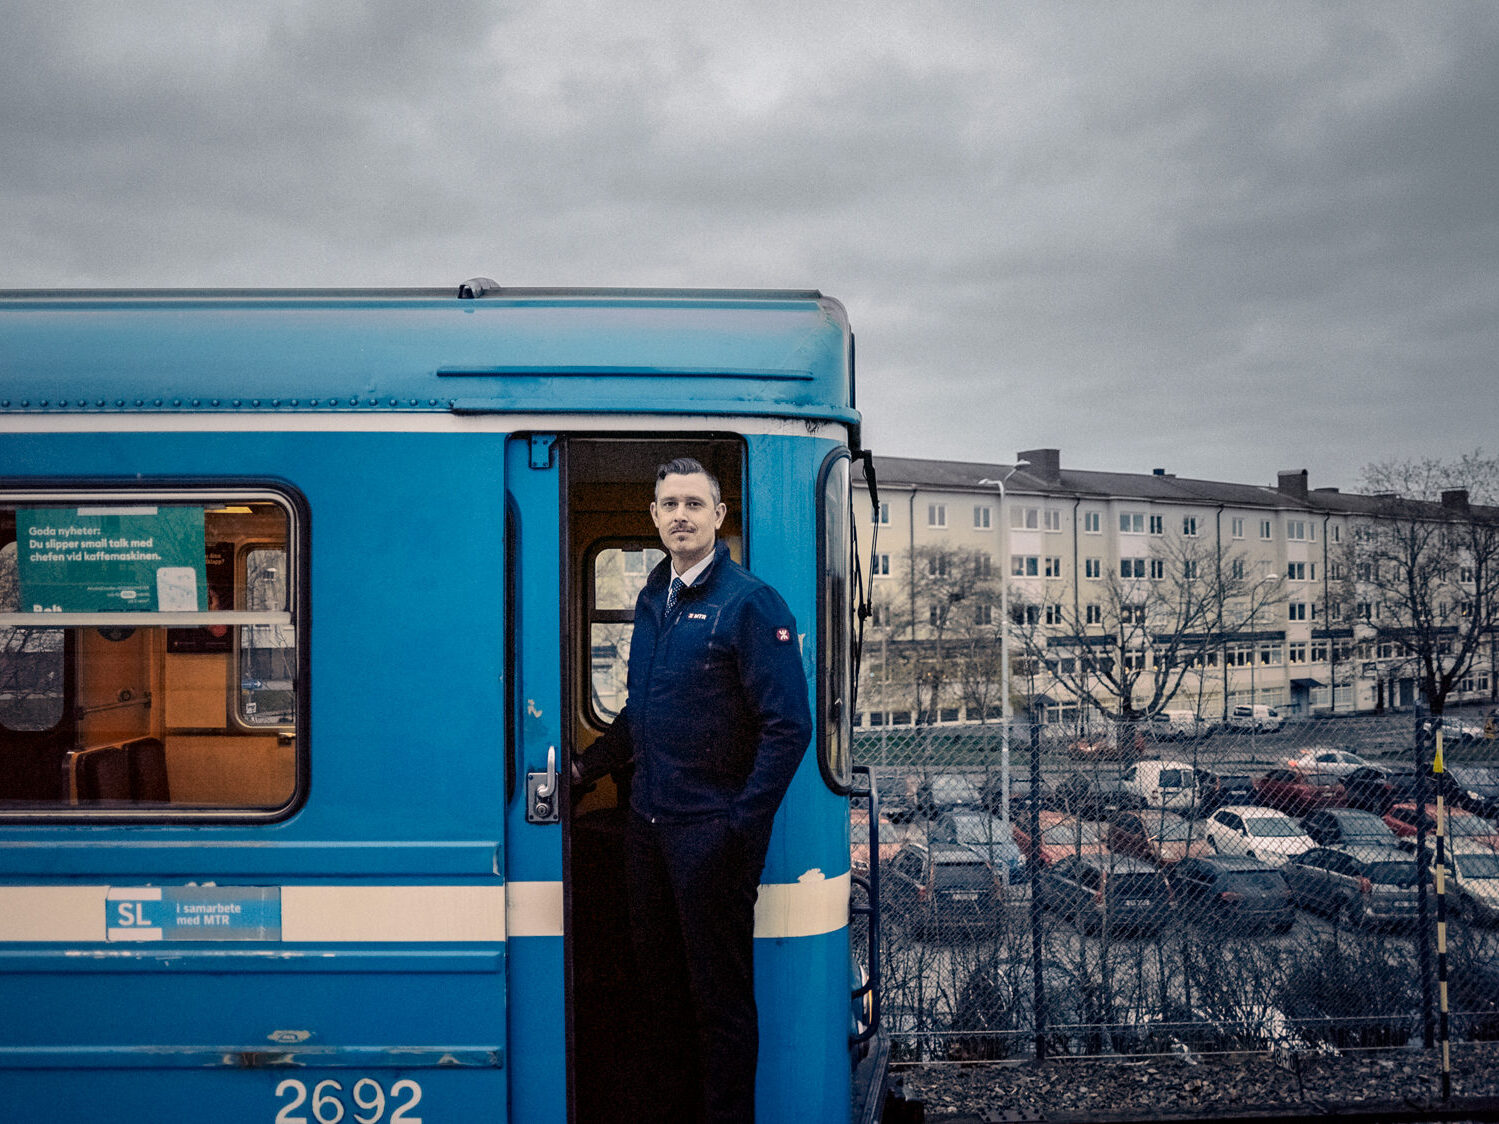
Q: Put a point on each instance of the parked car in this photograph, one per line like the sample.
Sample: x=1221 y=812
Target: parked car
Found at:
x=1093 y=799
x=1215 y=790
x=1161 y=784
x=1158 y=837
x=1061 y=835
x=1298 y=793
x=1180 y=725
x=1348 y=827
x=1357 y=885
x=992 y=796
x=1256 y=718
x=984 y=833
x=1456 y=731
x=1260 y=833
x=1323 y=759
x=1106 y=893
x=1476 y=788
x=936 y=794
x=1369 y=789
x=1473 y=882
x=940 y=888
x=1403 y=817
x=858 y=840
x=1233 y=891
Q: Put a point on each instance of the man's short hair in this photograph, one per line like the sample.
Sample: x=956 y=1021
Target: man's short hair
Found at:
x=686 y=466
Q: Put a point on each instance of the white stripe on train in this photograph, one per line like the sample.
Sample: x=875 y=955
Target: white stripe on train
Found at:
x=411 y=914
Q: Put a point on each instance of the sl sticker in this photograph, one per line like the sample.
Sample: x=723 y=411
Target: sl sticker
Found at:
x=783 y=635
x=193 y=913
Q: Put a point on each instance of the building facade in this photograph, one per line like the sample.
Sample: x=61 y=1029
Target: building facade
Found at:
x=1141 y=591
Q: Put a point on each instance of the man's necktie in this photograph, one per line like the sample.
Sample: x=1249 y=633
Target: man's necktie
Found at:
x=673 y=593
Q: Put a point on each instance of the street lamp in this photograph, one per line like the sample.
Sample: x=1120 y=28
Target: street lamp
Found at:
x=1004 y=647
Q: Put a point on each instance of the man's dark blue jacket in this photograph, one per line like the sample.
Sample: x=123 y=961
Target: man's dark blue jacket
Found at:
x=717 y=718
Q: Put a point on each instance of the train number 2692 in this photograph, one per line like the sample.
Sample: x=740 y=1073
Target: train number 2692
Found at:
x=367 y=1094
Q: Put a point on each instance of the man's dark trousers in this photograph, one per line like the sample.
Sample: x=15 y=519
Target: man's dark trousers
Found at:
x=692 y=888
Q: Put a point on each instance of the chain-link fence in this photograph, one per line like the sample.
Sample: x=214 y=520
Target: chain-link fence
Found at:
x=1154 y=888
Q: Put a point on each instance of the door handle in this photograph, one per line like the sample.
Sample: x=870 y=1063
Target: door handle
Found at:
x=541 y=792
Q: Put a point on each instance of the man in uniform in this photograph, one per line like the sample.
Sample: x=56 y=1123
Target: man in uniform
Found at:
x=716 y=722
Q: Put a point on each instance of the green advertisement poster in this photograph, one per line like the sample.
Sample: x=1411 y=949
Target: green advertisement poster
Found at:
x=111 y=560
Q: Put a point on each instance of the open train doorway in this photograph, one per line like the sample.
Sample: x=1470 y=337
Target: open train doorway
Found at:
x=611 y=549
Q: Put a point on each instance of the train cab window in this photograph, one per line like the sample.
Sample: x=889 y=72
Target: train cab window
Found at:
x=149 y=654
x=618 y=574
x=835 y=604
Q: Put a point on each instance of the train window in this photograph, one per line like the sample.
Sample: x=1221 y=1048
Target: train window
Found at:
x=836 y=608
x=618 y=574
x=149 y=660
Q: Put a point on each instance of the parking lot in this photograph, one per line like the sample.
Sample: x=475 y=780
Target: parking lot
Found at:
x=1318 y=948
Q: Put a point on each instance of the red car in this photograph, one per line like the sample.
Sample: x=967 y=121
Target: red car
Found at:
x=1061 y=835
x=1159 y=837
x=1461 y=825
x=1297 y=793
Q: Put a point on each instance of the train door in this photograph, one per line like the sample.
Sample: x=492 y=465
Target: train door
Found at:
x=582 y=547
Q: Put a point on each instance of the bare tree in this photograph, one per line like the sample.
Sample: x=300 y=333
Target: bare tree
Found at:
x=1129 y=647
x=1421 y=573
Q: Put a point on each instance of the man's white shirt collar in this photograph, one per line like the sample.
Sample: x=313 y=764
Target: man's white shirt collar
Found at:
x=691 y=576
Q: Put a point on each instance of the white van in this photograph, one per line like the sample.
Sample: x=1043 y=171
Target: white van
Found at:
x=1180 y=725
x=1264 y=719
x=1161 y=784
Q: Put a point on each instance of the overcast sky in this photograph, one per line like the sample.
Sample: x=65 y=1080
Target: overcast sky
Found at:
x=1221 y=239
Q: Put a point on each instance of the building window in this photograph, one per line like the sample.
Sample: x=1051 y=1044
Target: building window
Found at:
x=983 y=614
x=1189 y=525
x=1296 y=571
x=1157 y=568
x=1092 y=523
x=984 y=566
x=880 y=568
x=1189 y=569
x=1337 y=533
x=1093 y=568
x=1025 y=565
x=981 y=516
x=1266 y=530
x=1025 y=518
x=1132 y=614
x=936 y=566
x=1053 y=519
x=1053 y=567
x=1131 y=567
x=1134 y=659
x=1236 y=569
x=1157 y=524
x=1296 y=611
x=1094 y=614
x=1296 y=653
x=1237 y=526
x=1296 y=529
x=1270 y=654
x=934 y=615
x=881 y=514
x=936 y=515
x=1054 y=614
x=1131 y=522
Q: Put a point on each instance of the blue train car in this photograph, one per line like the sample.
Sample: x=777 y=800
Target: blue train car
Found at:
x=306 y=600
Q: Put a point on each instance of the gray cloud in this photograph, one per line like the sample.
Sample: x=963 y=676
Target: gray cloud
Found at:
x=1222 y=239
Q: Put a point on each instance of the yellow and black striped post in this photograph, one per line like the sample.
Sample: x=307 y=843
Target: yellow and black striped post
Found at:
x=1437 y=769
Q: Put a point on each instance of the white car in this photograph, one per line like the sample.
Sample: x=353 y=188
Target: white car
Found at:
x=1263 y=719
x=1475 y=877
x=1337 y=762
x=1161 y=784
x=1261 y=833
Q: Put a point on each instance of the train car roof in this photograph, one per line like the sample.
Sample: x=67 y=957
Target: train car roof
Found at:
x=477 y=348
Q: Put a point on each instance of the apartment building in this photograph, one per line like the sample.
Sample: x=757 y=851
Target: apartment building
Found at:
x=1087 y=564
